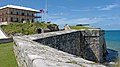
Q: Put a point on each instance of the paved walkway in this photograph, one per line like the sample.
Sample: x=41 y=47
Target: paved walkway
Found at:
x=2 y=35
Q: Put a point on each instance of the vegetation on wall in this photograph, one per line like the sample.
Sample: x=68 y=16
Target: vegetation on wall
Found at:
x=81 y=27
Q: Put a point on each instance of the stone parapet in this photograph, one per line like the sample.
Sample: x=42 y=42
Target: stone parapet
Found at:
x=89 y=44
x=62 y=48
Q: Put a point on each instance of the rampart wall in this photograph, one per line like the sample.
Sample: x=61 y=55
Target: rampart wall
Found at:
x=61 y=48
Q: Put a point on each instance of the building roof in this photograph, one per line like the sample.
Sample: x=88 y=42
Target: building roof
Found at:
x=19 y=7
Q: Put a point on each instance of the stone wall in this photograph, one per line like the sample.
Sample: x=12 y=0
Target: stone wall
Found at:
x=66 y=49
x=88 y=44
x=69 y=42
x=95 y=46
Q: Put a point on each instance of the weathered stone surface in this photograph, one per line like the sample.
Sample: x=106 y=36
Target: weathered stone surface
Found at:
x=95 y=45
x=89 y=44
x=32 y=54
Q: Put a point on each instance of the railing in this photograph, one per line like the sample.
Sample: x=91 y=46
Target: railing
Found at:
x=22 y=15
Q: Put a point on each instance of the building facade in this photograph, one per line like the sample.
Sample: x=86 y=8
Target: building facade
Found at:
x=11 y=13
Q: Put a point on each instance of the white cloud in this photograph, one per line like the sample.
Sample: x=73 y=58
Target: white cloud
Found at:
x=63 y=21
x=108 y=7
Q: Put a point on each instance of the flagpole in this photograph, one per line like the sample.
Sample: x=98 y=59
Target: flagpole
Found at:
x=41 y=17
x=46 y=9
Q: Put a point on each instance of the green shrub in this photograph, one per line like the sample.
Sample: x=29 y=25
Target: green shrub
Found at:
x=24 y=28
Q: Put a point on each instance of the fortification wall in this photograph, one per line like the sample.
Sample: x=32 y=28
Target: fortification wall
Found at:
x=88 y=44
x=69 y=42
x=34 y=50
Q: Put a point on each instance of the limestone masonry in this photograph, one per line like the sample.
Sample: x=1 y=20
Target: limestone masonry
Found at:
x=61 y=49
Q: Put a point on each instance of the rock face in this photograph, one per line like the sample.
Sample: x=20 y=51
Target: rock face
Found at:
x=62 y=49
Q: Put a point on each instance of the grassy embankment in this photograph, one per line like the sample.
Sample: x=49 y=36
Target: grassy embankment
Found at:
x=82 y=27
x=25 y=28
x=7 y=57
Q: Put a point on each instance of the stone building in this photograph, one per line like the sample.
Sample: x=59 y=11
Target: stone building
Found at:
x=12 y=13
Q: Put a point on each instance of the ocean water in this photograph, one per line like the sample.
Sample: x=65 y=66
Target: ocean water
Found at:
x=113 y=40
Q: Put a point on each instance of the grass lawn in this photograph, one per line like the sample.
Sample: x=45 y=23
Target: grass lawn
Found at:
x=7 y=57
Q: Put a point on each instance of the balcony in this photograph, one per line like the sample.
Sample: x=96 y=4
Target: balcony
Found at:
x=33 y=16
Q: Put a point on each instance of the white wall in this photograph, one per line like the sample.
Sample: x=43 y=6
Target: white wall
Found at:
x=2 y=35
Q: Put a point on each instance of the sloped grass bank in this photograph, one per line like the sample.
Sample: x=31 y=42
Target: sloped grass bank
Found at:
x=82 y=27
x=7 y=57
x=25 y=28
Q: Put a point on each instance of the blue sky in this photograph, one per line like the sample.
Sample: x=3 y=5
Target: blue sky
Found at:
x=97 y=13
